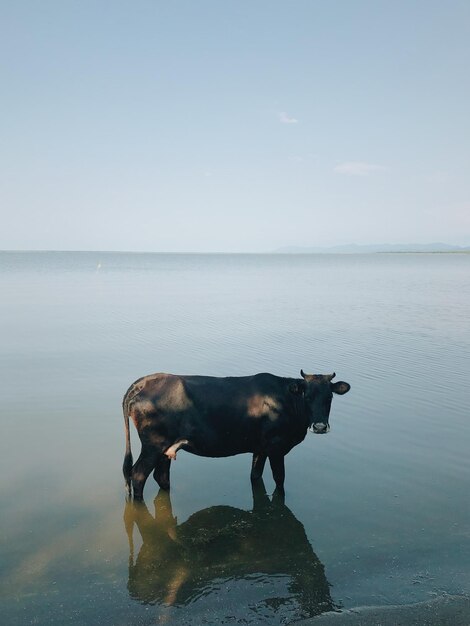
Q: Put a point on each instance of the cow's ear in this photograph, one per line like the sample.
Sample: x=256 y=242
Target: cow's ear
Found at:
x=340 y=387
x=297 y=388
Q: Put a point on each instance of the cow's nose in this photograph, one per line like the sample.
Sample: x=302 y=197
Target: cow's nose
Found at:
x=319 y=427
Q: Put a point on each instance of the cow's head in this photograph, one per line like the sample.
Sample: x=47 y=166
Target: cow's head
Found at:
x=318 y=390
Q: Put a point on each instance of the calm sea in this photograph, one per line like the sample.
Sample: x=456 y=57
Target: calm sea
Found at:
x=376 y=512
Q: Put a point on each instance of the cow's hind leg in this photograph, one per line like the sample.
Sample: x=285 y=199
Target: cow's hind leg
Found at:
x=257 y=466
x=141 y=470
x=162 y=471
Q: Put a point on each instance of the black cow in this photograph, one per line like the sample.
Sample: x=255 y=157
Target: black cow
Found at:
x=263 y=414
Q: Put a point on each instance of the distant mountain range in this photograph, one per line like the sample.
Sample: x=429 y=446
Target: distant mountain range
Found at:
x=354 y=248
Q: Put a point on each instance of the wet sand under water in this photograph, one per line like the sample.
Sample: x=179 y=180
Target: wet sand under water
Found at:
x=443 y=611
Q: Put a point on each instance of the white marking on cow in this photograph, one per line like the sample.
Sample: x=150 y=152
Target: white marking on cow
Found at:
x=172 y=450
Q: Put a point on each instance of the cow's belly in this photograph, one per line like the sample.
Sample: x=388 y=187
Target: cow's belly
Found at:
x=218 y=446
x=221 y=438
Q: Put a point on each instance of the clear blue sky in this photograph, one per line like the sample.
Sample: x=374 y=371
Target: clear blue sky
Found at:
x=233 y=125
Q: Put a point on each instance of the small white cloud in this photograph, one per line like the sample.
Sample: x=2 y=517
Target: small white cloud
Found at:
x=287 y=119
x=358 y=168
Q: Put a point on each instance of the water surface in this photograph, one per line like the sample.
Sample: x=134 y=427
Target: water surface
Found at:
x=375 y=513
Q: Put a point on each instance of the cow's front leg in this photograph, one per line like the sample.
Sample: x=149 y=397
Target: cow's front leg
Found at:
x=162 y=471
x=257 y=466
x=277 y=466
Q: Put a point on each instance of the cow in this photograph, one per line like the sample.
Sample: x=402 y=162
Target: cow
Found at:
x=264 y=414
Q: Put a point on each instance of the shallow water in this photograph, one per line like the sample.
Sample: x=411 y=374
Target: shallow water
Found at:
x=377 y=512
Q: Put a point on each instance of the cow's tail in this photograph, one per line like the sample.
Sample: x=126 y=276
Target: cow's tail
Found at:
x=128 y=461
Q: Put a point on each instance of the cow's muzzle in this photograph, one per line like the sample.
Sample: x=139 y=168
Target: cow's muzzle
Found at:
x=319 y=428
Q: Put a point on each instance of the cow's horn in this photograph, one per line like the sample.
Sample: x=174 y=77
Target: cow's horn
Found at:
x=331 y=376
x=302 y=373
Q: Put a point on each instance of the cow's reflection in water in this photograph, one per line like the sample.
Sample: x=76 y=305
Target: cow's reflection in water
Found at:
x=221 y=545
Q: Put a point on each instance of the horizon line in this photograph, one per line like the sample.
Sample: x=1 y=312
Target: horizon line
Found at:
x=281 y=251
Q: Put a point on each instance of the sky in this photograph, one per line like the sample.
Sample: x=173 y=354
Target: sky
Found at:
x=233 y=126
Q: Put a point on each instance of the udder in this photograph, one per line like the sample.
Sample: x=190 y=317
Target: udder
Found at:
x=172 y=450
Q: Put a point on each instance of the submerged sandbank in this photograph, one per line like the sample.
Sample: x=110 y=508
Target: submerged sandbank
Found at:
x=442 y=611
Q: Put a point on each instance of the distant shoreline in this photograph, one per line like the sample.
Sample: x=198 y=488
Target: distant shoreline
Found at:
x=466 y=251
x=393 y=248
